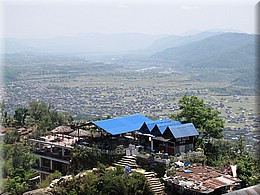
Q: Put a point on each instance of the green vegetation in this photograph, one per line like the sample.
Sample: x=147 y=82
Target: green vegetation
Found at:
x=205 y=118
x=43 y=117
x=46 y=183
x=16 y=167
x=103 y=181
x=219 y=152
x=17 y=160
x=83 y=159
x=39 y=116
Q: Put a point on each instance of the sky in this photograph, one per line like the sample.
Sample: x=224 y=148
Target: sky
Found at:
x=45 y=19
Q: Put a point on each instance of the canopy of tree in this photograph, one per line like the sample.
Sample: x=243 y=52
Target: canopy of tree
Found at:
x=103 y=181
x=205 y=118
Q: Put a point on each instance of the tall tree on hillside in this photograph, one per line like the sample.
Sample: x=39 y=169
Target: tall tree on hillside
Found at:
x=205 y=118
x=20 y=115
x=45 y=116
x=38 y=109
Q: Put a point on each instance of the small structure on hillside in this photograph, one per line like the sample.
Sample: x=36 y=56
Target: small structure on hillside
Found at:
x=172 y=137
x=198 y=179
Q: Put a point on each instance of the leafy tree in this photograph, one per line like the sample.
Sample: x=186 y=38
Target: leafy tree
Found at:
x=20 y=115
x=205 y=118
x=247 y=169
x=105 y=181
x=45 y=117
x=83 y=159
x=16 y=167
x=240 y=145
x=16 y=186
x=38 y=109
x=11 y=137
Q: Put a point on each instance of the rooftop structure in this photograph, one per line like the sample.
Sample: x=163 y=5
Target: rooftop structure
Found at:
x=159 y=129
x=148 y=126
x=201 y=180
x=122 y=125
x=172 y=137
x=53 y=152
x=183 y=130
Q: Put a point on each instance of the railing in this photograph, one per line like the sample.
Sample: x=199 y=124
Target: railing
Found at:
x=102 y=151
x=165 y=161
x=52 y=156
x=190 y=155
x=43 y=169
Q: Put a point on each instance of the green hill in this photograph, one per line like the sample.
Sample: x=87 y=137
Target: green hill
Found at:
x=228 y=50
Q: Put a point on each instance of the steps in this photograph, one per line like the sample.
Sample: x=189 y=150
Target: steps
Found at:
x=155 y=183
x=127 y=161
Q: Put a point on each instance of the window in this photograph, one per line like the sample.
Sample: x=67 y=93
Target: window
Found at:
x=184 y=138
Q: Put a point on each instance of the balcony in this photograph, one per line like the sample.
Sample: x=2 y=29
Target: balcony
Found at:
x=55 y=156
x=45 y=170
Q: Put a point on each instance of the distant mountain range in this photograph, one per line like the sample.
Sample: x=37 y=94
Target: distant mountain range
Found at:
x=231 y=53
x=204 y=49
x=227 y=50
x=126 y=43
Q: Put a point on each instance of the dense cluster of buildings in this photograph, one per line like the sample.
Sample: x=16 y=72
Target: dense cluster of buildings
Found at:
x=98 y=101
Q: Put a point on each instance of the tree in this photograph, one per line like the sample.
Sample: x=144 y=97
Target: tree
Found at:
x=11 y=137
x=240 y=145
x=45 y=116
x=104 y=181
x=16 y=186
x=17 y=167
x=205 y=118
x=20 y=115
x=38 y=109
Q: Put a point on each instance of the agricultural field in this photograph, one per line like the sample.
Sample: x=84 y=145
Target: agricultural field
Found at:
x=93 y=89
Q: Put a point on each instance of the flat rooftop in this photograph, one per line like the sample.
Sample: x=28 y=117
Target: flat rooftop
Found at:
x=58 y=140
x=202 y=178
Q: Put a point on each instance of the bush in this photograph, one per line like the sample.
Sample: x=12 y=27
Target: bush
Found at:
x=114 y=182
x=49 y=179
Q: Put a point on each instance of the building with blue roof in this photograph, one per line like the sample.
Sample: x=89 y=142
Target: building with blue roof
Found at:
x=121 y=125
x=168 y=136
x=159 y=128
x=147 y=127
x=178 y=138
x=183 y=130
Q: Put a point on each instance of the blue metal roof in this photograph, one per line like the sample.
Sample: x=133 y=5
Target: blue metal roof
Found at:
x=163 y=126
x=121 y=125
x=183 y=130
x=150 y=125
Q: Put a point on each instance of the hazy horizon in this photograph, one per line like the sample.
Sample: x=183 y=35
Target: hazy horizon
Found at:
x=45 y=19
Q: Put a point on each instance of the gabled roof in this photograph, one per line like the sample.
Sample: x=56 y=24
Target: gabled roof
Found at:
x=183 y=130
x=149 y=125
x=163 y=126
x=121 y=125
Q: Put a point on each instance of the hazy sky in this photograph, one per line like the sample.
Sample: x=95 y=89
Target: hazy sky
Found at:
x=30 y=19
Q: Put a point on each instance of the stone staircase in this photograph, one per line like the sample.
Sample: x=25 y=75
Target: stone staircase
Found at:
x=155 y=183
x=127 y=161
